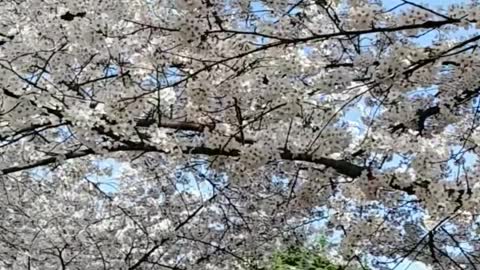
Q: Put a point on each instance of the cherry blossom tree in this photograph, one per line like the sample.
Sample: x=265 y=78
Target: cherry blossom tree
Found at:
x=234 y=128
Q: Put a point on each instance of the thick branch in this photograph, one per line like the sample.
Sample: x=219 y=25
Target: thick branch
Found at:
x=179 y=125
x=341 y=166
x=422 y=115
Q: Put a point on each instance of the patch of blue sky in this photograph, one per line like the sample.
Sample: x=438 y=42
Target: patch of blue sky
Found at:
x=186 y=181
x=259 y=7
x=442 y=5
x=110 y=70
x=435 y=4
x=108 y=182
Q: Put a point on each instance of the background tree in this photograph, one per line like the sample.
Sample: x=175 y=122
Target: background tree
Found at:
x=207 y=134
x=311 y=257
x=299 y=258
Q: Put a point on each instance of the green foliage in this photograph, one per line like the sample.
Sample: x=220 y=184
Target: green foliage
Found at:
x=296 y=258
x=302 y=258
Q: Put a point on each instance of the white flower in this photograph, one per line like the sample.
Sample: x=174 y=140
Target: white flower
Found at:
x=428 y=222
x=159 y=136
x=168 y=96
